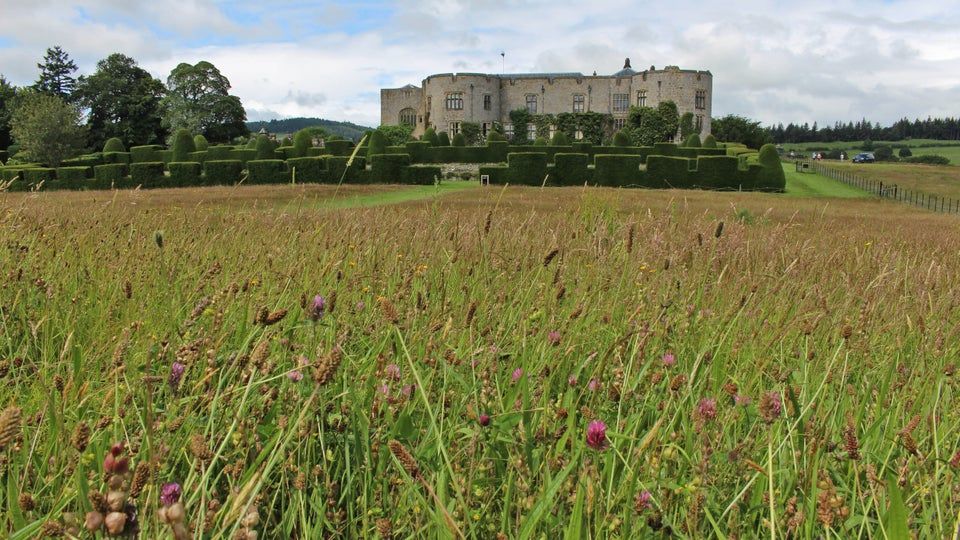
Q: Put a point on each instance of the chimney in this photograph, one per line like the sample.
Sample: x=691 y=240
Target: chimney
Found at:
x=626 y=64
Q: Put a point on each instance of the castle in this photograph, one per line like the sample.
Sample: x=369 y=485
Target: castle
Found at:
x=446 y=100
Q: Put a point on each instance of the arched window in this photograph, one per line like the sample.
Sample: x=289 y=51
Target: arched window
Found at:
x=408 y=117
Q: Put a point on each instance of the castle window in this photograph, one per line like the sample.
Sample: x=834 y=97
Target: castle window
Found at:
x=485 y=129
x=699 y=122
x=508 y=130
x=408 y=117
x=531 y=132
x=642 y=98
x=618 y=123
x=532 y=103
x=701 y=99
x=455 y=101
x=578 y=135
x=487 y=102
x=578 y=102
x=454 y=128
x=621 y=102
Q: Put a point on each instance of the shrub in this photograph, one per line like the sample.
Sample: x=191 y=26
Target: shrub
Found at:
x=264 y=148
x=251 y=144
x=302 y=142
x=459 y=140
x=710 y=141
x=267 y=171
x=110 y=175
x=145 y=153
x=668 y=172
x=867 y=145
x=905 y=152
x=73 y=177
x=307 y=170
x=540 y=141
x=527 y=168
x=185 y=173
x=200 y=143
x=224 y=172
x=339 y=148
x=717 y=172
x=497 y=151
x=199 y=156
x=337 y=169
x=148 y=175
x=928 y=159
x=376 y=144
x=421 y=175
x=559 y=139
x=665 y=149
x=570 y=169
x=621 y=139
x=495 y=136
x=3 y=157
x=219 y=153
x=114 y=144
x=693 y=141
x=243 y=155
x=166 y=156
x=883 y=153
x=116 y=157
x=386 y=168
x=430 y=135
x=182 y=145
x=773 y=177
x=616 y=170
x=419 y=151
x=40 y=178
x=497 y=174
x=443 y=139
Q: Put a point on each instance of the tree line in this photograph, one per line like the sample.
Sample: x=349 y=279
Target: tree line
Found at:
x=944 y=129
x=62 y=114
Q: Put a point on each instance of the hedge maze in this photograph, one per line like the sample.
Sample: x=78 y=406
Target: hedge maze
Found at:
x=417 y=162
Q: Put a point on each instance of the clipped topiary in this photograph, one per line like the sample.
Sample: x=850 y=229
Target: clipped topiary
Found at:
x=182 y=145
x=693 y=141
x=251 y=144
x=114 y=145
x=540 y=141
x=302 y=142
x=377 y=143
x=459 y=140
x=710 y=141
x=620 y=139
x=905 y=152
x=559 y=139
x=430 y=135
x=443 y=139
x=495 y=136
x=264 y=147
x=200 y=143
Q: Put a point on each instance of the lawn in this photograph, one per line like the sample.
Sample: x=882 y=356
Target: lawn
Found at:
x=919 y=147
x=937 y=180
x=295 y=362
x=815 y=185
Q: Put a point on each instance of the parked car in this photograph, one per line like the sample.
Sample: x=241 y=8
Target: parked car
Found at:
x=864 y=157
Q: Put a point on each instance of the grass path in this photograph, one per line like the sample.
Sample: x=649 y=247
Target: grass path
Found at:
x=394 y=196
x=816 y=185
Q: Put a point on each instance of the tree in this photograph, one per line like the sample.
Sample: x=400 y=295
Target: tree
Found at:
x=8 y=93
x=867 y=145
x=302 y=142
x=265 y=148
x=905 y=152
x=200 y=142
x=377 y=144
x=686 y=125
x=459 y=140
x=443 y=139
x=123 y=100
x=559 y=139
x=198 y=100
x=182 y=146
x=114 y=144
x=47 y=129
x=646 y=125
x=56 y=74
x=396 y=135
x=710 y=141
x=883 y=153
x=738 y=129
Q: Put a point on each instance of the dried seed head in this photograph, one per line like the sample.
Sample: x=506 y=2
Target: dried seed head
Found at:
x=9 y=426
x=127 y=290
x=327 y=366
x=850 y=442
x=406 y=459
x=26 y=502
x=550 y=256
x=389 y=311
x=274 y=317
x=51 y=529
x=141 y=475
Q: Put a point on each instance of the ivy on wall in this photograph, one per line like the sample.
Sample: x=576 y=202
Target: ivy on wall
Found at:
x=596 y=127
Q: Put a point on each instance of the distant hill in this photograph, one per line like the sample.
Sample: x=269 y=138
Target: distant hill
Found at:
x=347 y=130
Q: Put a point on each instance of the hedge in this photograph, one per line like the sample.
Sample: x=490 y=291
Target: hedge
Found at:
x=148 y=175
x=224 y=172
x=927 y=159
x=337 y=169
x=243 y=155
x=3 y=157
x=497 y=151
x=385 y=168
x=108 y=176
x=267 y=171
x=420 y=174
x=40 y=178
x=197 y=157
x=116 y=157
x=145 y=154
x=308 y=169
x=668 y=172
x=114 y=144
x=338 y=148
x=13 y=171
x=88 y=160
x=219 y=153
x=527 y=168
x=570 y=169
x=185 y=173
x=73 y=177
x=497 y=173
x=166 y=156
x=419 y=151
x=718 y=172
x=617 y=170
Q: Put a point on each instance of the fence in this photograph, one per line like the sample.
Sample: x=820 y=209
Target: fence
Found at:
x=934 y=203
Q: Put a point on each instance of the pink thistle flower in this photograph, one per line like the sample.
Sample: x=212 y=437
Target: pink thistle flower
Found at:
x=176 y=373
x=741 y=400
x=317 y=308
x=593 y=385
x=384 y=389
x=554 y=338
x=484 y=420
x=642 y=501
x=407 y=390
x=170 y=493
x=517 y=373
x=393 y=372
x=295 y=376
x=669 y=359
x=707 y=408
x=597 y=435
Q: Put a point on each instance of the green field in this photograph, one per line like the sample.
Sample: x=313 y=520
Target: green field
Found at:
x=919 y=147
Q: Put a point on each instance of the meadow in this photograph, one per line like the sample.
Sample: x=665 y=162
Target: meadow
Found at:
x=919 y=147
x=939 y=180
x=365 y=361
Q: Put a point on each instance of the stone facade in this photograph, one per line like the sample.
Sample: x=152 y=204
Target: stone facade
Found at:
x=445 y=100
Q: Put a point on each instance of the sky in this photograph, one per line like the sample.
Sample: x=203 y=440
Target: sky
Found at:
x=774 y=61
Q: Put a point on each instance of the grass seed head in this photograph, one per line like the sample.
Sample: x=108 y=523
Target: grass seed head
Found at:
x=9 y=427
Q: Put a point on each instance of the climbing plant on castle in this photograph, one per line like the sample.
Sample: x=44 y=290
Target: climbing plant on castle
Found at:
x=594 y=126
x=520 y=118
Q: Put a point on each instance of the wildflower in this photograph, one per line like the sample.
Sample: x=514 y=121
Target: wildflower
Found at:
x=770 y=406
x=517 y=373
x=170 y=493
x=176 y=373
x=593 y=385
x=669 y=359
x=113 y=465
x=393 y=371
x=955 y=460
x=642 y=501
x=484 y=420
x=740 y=399
x=317 y=308
x=572 y=380
x=597 y=435
x=554 y=338
x=295 y=376
x=407 y=390
x=384 y=389
x=360 y=305
x=707 y=408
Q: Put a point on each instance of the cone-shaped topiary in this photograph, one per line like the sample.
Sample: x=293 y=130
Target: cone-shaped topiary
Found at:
x=540 y=141
x=459 y=140
x=559 y=139
x=443 y=139
x=182 y=145
x=620 y=139
x=252 y=144
x=114 y=145
x=430 y=135
x=200 y=142
x=302 y=142
x=710 y=141
x=265 y=148
x=495 y=136
x=693 y=141
x=376 y=144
